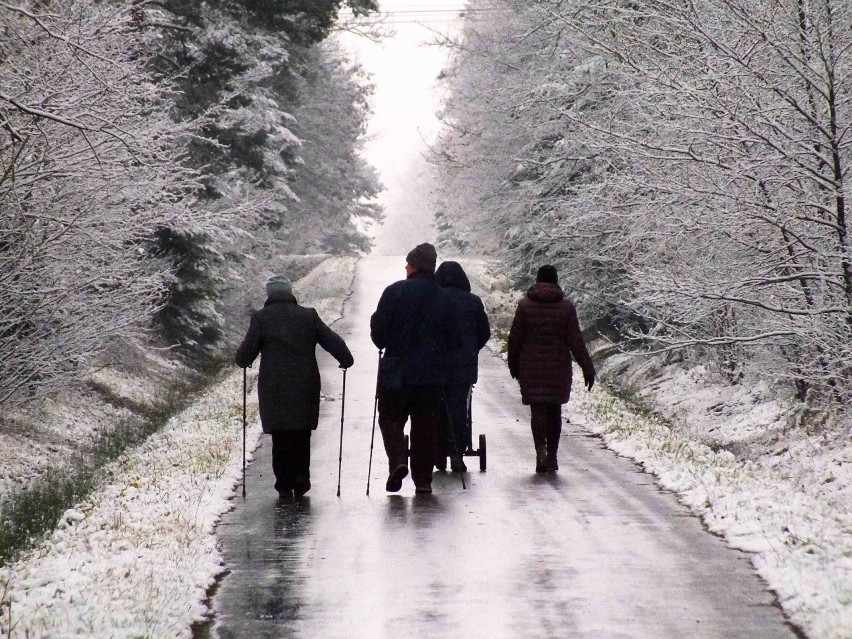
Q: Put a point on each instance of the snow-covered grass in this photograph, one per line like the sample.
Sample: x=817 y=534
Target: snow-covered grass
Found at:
x=768 y=488
x=136 y=557
x=51 y=436
x=771 y=478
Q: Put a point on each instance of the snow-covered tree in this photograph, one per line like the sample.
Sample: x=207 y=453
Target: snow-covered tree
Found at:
x=257 y=68
x=685 y=163
x=737 y=140
x=333 y=183
x=90 y=165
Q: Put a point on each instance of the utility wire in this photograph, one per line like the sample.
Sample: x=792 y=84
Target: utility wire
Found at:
x=408 y=12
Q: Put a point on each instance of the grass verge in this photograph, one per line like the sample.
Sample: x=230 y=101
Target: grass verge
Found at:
x=31 y=512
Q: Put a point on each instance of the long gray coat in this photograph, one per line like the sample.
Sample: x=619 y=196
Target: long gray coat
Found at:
x=288 y=386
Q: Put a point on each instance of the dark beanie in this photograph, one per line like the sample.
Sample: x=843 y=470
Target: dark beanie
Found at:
x=423 y=257
x=547 y=274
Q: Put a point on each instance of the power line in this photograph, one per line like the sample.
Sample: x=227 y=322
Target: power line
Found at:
x=461 y=11
x=457 y=10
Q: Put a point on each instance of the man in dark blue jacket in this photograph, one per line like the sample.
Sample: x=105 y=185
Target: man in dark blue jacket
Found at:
x=415 y=326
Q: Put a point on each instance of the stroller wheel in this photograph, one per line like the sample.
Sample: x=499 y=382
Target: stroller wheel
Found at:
x=482 y=457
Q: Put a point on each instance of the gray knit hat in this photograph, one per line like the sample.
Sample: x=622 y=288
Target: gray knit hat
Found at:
x=278 y=286
x=423 y=257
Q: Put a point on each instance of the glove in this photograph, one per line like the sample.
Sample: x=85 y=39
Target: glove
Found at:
x=589 y=379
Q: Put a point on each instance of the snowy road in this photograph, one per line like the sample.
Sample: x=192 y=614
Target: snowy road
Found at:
x=596 y=551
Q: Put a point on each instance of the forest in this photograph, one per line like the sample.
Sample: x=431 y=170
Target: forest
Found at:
x=153 y=153
x=683 y=164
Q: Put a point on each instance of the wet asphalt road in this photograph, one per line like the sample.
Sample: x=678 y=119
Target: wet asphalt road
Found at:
x=596 y=551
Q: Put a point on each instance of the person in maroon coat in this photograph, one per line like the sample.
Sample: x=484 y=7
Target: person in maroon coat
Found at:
x=545 y=334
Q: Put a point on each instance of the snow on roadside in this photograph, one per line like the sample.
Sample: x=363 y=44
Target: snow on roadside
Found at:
x=779 y=506
x=137 y=557
x=51 y=436
x=738 y=456
x=134 y=559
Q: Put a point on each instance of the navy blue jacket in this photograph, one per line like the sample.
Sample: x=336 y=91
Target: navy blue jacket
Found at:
x=474 y=330
x=414 y=321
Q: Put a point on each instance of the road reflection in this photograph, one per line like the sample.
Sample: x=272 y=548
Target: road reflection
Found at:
x=268 y=572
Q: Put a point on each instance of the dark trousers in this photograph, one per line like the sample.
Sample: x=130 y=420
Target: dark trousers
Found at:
x=422 y=404
x=291 y=459
x=454 y=432
x=546 y=422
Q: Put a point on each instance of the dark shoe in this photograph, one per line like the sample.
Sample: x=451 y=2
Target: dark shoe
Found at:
x=441 y=462
x=394 y=482
x=551 y=464
x=423 y=490
x=301 y=488
x=457 y=465
x=540 y=459
x=285 y=495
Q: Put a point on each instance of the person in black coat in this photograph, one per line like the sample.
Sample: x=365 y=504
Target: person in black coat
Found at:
x=288 y=385
x=462 y=364
x=415 y=326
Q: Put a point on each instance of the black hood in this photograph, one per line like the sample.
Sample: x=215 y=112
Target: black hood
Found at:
x=452 y=275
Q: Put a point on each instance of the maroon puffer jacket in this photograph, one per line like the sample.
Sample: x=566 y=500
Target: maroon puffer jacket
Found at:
x=545 y=333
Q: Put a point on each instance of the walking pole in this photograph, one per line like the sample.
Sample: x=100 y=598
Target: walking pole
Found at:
x=245 y=384
x=342 y=408
x=373 y=434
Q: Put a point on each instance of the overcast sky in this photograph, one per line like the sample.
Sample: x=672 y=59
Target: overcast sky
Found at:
x=405 y=71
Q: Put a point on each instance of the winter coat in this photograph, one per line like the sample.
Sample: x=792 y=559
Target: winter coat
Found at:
x=474 y=330
x=544 y=335
x=414 y=324
x=288 y=385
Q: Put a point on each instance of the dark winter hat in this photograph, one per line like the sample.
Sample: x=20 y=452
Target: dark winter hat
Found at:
x=423 y=257
x=278 y=286
x=547 y=274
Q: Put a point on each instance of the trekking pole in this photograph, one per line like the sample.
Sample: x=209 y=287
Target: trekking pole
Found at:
x=373 y=434
x=245 y=386
x=453 y=438
x=342 y=408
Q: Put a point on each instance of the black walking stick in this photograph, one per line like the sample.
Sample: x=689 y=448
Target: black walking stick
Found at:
x=245 y=384
x=340 y=457
x=373 y=434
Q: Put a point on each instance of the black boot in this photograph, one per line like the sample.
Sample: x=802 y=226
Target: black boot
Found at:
x=395 y=478
x=550 y=463
x=301 y=488
x=540 y=459
x=457 y=464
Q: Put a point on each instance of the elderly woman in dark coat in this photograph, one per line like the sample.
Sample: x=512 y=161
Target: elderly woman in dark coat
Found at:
x=288 y=385
x=544 y=335
x=462 y=364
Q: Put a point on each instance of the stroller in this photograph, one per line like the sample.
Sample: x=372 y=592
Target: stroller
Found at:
x=466 y=449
